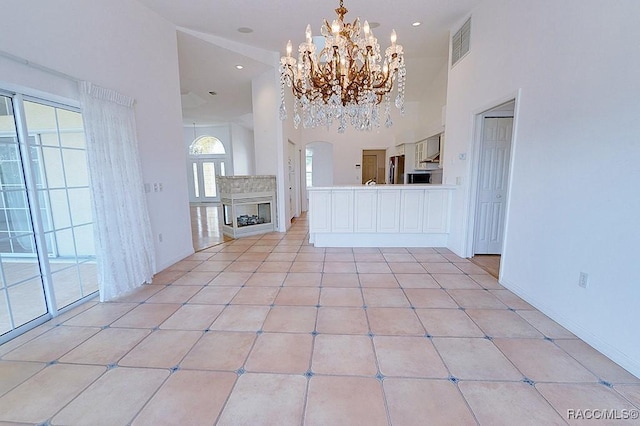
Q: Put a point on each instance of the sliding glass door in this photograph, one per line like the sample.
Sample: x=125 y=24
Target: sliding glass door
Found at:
x=22 y=293
x=47 y=255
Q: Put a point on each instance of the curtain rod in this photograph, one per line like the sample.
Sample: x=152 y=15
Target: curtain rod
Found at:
x=37 y=66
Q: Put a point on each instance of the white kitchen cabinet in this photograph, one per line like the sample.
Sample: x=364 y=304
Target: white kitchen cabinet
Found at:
x=436 y=211
x=380 y=216
x=411 y=211
x=420 y=150
x=342 y=211
x=428 y=149
x=366 y=208
x=320 y=211
x=388 y=211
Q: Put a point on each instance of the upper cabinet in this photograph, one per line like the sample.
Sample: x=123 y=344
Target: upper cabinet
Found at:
x=427 y=152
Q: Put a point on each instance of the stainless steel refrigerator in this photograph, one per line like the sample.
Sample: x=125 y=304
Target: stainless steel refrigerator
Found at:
x=396 y=169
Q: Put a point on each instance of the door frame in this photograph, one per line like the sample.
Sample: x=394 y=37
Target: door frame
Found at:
x=294 y=178
x=474 y=173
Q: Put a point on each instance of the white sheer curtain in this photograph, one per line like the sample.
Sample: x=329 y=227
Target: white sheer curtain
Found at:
x=124 y=245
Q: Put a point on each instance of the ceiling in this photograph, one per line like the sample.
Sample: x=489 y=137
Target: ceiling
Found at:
x=210 y=45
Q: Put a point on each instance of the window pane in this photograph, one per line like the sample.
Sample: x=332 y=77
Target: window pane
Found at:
x=41 y=120
x=80 y=203
x=66 y=286
x=53 y=167
x=209 y=174
x=11 y=176
x=17 y=270
x=59 y=208
x=64 y=243
x=88 y=277
x=27 y=301
x=75 y=167
x=84 y=241
x=206 y=145
x=71 y=129
x=196 y=185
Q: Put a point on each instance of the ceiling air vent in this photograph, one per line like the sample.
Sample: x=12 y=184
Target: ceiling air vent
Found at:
x=460 y=42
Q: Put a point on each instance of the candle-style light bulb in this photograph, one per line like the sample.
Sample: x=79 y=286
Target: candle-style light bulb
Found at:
x=394 y=37
x=308 y=33
x=289 y=48
x=366 y=29
x=335 y=27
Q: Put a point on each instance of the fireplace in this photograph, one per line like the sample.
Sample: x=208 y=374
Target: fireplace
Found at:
x=248 y=205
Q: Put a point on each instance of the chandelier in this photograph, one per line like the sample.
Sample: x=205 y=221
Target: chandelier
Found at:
x=345 y=80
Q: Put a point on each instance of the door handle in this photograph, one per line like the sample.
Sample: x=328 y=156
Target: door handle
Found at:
x=498 y=196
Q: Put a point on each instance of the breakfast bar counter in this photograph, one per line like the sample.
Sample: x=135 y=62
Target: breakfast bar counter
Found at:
x=380 y=215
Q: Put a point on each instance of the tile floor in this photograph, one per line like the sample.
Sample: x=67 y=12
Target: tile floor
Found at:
x=205 y=225
x=270 y=330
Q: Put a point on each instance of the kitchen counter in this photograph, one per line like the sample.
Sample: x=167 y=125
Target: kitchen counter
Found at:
x=380 y=215
x=385 y=186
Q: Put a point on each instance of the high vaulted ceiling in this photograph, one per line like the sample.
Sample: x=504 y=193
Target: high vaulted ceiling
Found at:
x=210 y=45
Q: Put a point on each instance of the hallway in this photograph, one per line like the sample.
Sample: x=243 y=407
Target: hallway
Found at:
x=205 y=225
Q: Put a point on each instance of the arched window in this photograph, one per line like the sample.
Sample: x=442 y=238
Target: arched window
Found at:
x=206 y=145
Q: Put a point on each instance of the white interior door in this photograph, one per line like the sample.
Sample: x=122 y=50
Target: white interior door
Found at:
x=369 y=168
x=492 y=185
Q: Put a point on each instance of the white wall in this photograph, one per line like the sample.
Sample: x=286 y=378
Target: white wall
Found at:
x=269 y=137
x=244 y=160
x=574 y=203
x=347 y=150
x=321 y=163
x=123 y=46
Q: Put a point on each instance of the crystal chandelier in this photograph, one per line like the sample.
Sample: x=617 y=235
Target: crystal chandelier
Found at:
x=345 y=80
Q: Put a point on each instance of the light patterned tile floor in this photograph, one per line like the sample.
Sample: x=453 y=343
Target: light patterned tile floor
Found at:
x=271 y=330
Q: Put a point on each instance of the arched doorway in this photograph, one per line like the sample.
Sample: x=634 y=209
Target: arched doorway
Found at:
x=207 y=159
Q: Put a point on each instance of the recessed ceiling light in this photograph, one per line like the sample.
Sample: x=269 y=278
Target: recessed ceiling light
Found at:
x=239 y=67
x=245 y=30
x=374 y=24
x=416 y=24
x=212 y=93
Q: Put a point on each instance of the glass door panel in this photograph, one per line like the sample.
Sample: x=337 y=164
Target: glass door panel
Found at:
x=47 y=253
x=60 y=165
x=209 y=176
x=22 y=293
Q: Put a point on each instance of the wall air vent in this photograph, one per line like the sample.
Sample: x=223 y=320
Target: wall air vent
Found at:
x=460 y=42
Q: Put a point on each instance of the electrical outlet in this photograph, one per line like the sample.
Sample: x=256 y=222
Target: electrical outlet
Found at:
x=583 y=281
x=160 y=238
